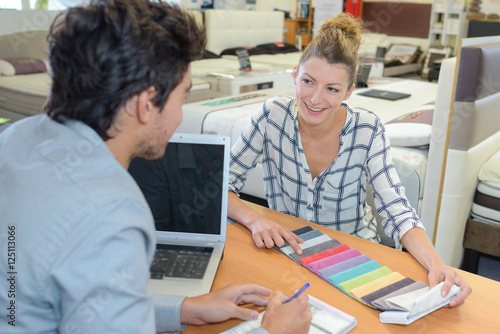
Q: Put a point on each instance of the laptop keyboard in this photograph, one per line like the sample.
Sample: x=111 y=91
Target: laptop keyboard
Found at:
x=180 y=261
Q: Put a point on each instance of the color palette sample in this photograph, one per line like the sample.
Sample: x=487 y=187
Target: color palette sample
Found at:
x=353 y=273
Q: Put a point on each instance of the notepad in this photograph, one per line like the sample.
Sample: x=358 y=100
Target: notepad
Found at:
x=326 y=319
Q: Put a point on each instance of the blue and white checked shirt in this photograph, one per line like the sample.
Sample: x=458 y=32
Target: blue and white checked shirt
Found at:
x=337 y=196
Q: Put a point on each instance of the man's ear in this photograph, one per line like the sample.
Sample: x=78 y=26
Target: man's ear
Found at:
x=145 y=106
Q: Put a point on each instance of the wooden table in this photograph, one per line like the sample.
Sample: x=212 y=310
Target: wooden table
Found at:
x=243 y=262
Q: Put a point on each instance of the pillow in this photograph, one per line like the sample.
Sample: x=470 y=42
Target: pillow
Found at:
x=209 y=54
x=490 y=170
x=278 y=47
x=13 y=66
x=251 y=51
x=412 y=129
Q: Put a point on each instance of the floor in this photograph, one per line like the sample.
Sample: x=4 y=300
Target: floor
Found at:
x=489 y=267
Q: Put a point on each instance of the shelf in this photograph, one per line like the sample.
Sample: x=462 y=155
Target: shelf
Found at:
x=294 y=27
x=451 y=15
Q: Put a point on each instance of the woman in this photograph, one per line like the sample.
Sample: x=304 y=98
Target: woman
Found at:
x=318 y=155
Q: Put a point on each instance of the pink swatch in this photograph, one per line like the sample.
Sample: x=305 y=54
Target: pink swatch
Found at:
x=334 y=259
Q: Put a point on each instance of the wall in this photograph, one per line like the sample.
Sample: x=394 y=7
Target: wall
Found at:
x=267 y=5
x=12 y=20
x=490 y=7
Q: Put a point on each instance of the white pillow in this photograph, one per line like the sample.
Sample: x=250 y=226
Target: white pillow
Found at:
x=408 y=134
x=6 y=68
x=412 y=129
x=490 y=171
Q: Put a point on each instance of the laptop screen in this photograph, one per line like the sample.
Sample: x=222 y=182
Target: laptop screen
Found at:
x=184 y=189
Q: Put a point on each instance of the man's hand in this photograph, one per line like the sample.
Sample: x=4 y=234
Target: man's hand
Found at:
x=292 y=317
x=223 y=304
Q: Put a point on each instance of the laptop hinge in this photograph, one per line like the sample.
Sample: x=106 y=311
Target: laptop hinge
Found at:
x=210 y=243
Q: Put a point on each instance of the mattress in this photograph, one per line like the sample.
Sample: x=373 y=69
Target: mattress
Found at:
x=289 y=60
x=217 y=116
x=200 y=91
x=226 y=79
x=26 y=94
x=486 y=203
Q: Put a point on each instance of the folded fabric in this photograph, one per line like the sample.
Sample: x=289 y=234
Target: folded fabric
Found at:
x=315 y=249
x=287 y=250
x=365 y=278
x=321 y=255
x=375 y=285
x=369 y=298
x=333 y=259
x=302 y=230
x=381 y=304
x=308 y=235
x=354 y=272
x=417 y=304
x=356 y=260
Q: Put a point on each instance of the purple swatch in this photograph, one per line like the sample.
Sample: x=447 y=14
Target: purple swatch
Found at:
x=334 y=259
x=342 y=266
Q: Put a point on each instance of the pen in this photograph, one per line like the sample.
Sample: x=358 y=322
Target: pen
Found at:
x=296 y=294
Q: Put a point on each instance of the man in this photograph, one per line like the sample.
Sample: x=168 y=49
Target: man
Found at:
x=79 y=232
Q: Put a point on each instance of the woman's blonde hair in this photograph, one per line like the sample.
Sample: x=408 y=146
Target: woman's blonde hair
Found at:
x=337 y=42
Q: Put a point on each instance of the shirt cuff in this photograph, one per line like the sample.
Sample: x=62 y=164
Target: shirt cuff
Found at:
x=167 y=312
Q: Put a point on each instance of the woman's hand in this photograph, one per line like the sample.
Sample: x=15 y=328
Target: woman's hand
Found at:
x=267 y=233
x=442 y=273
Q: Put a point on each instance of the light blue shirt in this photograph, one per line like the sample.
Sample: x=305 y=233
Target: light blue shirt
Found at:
x=81 y=236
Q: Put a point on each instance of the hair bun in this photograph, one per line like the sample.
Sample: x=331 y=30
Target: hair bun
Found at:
x=343 y=27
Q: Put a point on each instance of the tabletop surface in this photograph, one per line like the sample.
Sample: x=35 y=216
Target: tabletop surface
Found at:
x=244 y=263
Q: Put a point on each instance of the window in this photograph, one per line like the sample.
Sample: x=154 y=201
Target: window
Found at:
x=11 y=4
x=40 y=4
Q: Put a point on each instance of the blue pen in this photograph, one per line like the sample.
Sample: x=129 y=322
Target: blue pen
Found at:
x=296 y=294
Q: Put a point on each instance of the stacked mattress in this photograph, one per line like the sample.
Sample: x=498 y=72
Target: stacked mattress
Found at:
x=26 y=94
x=225 y=77
x=486 y=205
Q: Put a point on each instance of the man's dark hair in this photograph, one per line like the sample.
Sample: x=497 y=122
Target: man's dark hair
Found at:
x=105 y=53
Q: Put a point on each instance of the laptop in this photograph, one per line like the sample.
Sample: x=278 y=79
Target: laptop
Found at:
x=362 y=75
x=384 y=94
x=187 y=192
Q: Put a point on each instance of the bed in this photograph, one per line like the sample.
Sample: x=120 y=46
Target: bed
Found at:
x=465 y=134
x=225 y=77
x=289 y=58
x=229 y=30
x=23 y=95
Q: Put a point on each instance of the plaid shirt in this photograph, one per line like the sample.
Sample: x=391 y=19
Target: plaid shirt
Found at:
x=337 y=196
